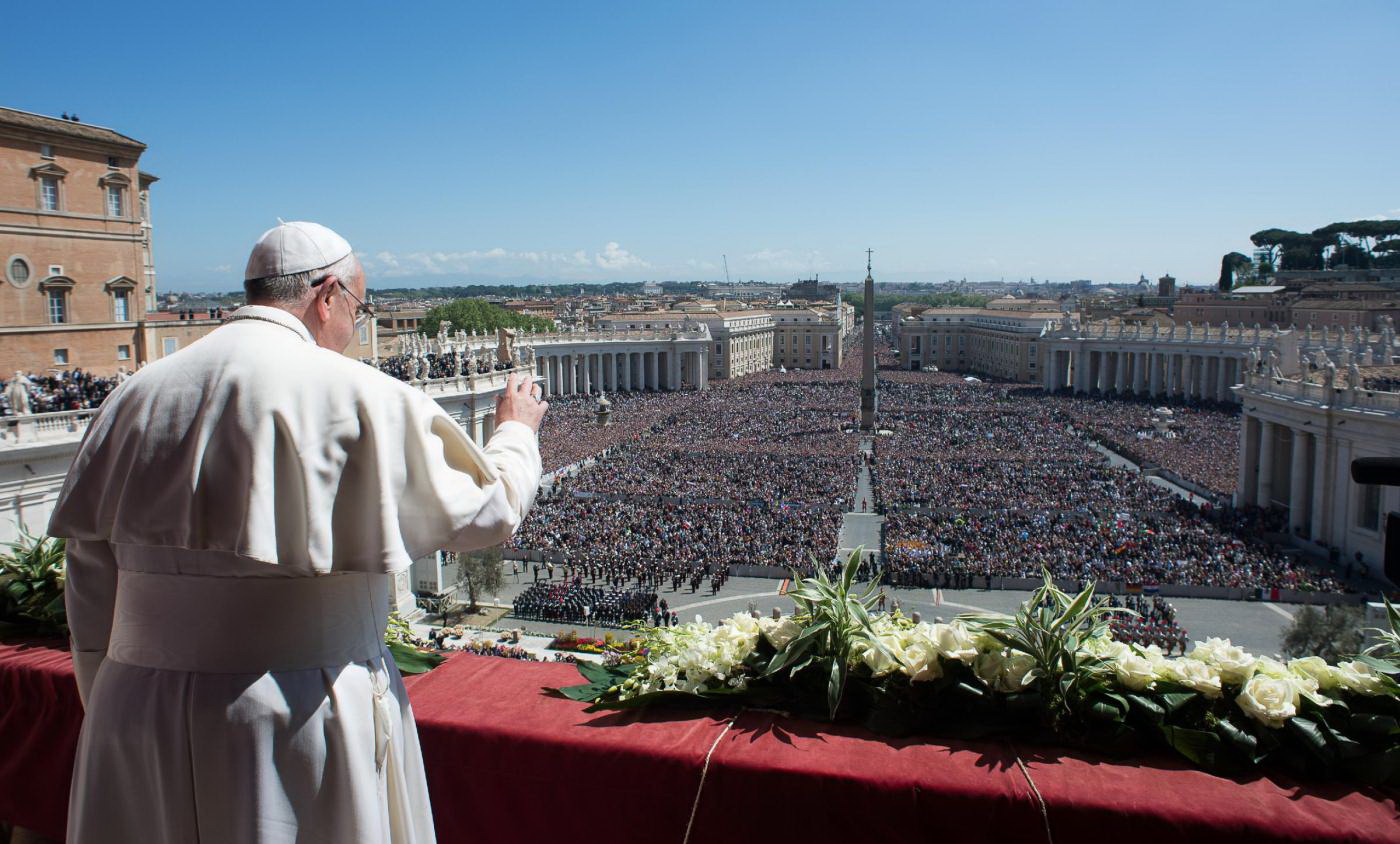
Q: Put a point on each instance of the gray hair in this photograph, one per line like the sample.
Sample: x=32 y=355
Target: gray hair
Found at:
x=294 y=287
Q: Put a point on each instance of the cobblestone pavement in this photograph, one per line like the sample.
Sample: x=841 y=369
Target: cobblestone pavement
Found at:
x=1254 y=625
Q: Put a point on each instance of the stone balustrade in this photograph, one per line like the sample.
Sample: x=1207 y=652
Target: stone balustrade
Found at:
x=40 y=428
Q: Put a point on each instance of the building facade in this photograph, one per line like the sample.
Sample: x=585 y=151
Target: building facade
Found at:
x=1297 y=440
x=742 y=342
x=75 y=237
x=1001 y=342
x=809 y=338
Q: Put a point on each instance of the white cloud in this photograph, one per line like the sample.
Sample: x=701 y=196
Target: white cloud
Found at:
x=614 y=257
x=785 y=260
x=497 y=261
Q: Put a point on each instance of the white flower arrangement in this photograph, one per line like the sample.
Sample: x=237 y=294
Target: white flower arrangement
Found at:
x=1056 y=656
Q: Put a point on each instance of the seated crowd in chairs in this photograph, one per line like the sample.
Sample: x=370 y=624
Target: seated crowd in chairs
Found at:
x=1155 y=623
x=583 y=604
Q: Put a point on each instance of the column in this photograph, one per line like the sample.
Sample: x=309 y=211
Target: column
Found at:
x=1222 y=378
x=1139 y=373
x=673 y=370
x=488 y=427
x=1246 y=488
x=1267 y=434
x=1171 y=363
x=627 y=371
x=651 y=372
x=1322 y=491
x=702 y=365
x=542 y=369
x=1120 y=371
x=1299 y=484
x=1155 y=389
x=478 y=422
x=1081 y=371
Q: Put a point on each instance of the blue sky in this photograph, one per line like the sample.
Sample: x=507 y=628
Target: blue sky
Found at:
x=587 y=141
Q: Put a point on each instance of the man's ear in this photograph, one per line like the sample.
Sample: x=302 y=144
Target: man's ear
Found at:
x=325 y=295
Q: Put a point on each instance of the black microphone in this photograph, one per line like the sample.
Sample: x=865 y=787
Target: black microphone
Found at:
x=1376 y=471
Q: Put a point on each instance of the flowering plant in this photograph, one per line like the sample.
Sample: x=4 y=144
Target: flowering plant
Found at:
x=1050 y=672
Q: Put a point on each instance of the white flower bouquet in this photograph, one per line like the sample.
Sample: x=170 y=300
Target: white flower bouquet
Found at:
x=1051 y=672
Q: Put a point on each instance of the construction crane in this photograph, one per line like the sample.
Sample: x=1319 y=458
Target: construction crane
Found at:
x=725 y=258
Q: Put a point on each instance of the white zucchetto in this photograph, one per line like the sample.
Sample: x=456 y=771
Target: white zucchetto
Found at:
x=295 y=247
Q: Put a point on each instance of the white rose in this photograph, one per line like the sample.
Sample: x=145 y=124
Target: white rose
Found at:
x=1006 y=670
x=920 y=661
x=780 y=631
x=1357 y=676
x=1269 y=700
x=1316 y=669
x=879 y=662
x=1198 y=675
x=743 y=621
x=1235 y=663
x=1135 y=671
x=953 y=640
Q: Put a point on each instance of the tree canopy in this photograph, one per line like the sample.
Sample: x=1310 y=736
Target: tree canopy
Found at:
x=1231 y=264
x=480 y=316
x=1352 y=244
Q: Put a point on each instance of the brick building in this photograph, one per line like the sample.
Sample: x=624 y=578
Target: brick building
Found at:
x=75 y=238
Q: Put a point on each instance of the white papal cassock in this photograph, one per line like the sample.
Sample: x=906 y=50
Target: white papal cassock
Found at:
x=234 y=516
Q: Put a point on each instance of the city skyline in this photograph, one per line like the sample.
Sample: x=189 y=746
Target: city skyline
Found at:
x=561 y=144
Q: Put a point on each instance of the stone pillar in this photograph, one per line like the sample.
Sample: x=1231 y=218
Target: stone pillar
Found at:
x=1120 y=372
x=542 y=369
x=478 y=423
x=673 y=378
x=488 y=427
x=651 y=383
x=1267 y=436
x=1081 y=371
x=1322 y=490
x=1247 y=487
x=1155 y=387
x=1300 y=485
x=1173 y=373
x=702 y=367
x=627 y=371
x=1222 y=379
x=1139 y=373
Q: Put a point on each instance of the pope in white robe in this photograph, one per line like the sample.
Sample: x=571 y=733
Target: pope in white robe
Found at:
x=234 y=519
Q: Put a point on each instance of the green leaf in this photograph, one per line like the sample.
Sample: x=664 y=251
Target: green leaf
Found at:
x=410 y=660
x=1242 y=740
x=1146 y=707
x=1201 y=747
x=835 y=686
x=1311 y=737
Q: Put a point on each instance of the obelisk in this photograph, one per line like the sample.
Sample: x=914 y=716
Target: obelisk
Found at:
x=868 y=400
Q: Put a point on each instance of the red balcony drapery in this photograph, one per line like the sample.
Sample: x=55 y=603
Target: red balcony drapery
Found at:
x=506 y=763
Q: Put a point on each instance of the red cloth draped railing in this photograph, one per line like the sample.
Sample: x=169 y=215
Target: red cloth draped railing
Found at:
x=506 y=764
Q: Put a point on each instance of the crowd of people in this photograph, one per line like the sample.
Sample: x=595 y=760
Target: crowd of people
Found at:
x=575 y=602
x=984 y=480
x=72 y=389
x=1154 y=623
x=1198 y=441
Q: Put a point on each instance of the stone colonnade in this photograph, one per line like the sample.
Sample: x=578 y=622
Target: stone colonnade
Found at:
x=1202 y=374
x=589 y=372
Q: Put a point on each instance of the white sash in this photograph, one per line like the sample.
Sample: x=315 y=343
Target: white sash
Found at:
x=238 y=625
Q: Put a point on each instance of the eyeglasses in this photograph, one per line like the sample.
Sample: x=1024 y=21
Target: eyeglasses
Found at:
x=364 y=311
